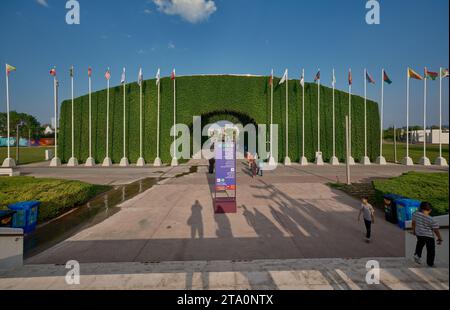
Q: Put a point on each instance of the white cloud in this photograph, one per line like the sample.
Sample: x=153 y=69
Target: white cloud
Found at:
x=147 y=11
x=193 y=11
x=171 y=45
x=42 y=2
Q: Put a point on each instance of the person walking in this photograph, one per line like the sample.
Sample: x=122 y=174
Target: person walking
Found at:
x=424 y=228
x=368 y=213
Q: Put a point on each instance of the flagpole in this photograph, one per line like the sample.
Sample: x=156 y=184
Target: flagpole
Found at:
x=287 y=160
x=381 y=160
x=90 y=162
x=174 y=159
x=141 y=161
x=107 y=162
x=304 y=160
x=351 y=160
x=319 y=158
x=365 y=160
x=425 y=161
x=440 y=161
x=407 y=160
x=72 y=161
x=157 y=162
x=124 y=162
x=271 y=159
x=8 y=162
x=55 y=162
x=334 y=160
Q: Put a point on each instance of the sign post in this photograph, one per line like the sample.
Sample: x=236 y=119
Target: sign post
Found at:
x=225 y=191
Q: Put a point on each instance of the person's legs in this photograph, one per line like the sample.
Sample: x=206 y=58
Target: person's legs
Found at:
x=431 y=251
x=368 y=228
x=419 y=246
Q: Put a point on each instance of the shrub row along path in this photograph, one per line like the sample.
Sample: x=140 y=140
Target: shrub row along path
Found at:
x=293 y=228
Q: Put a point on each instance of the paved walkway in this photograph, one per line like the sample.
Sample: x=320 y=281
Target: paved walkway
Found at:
x=304 y=274
x=287 y=214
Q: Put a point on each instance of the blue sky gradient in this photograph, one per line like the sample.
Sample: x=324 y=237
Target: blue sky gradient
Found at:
x=241 y=36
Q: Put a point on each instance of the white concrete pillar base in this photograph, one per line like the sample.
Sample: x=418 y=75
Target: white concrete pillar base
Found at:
x=287 y=161
x=157 y=162
x=9 y=163
x=107 y=162
x=407 y=161
x=140 y=162
x=272 y=161
x=365 y=161
x=441 y=162
x=334 y=161
x=304 y=161
x=425 y=161
x=351 y=161
x=90 y=162
x=174 y=162
x=381 y=161
x=319 y=160
x=55 y=162
x=73 y=162
x=124 y=162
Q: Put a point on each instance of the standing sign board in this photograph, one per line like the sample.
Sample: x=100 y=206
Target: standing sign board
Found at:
x=225 y=184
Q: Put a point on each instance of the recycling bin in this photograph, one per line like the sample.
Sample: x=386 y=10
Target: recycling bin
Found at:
x=26 y=215
x=390 y=207
x=6 y=218
x=405 y=210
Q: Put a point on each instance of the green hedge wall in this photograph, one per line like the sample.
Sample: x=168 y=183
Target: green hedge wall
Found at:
x=201 y=95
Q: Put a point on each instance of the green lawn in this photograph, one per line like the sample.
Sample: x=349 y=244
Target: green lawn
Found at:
x=27 y=155
x=415 y=152
x=431 y=187
x=56 y=196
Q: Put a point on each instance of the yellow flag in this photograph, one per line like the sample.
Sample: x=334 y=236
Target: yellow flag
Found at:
x=9 y=69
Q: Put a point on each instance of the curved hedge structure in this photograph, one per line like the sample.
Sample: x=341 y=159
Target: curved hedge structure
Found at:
x=216 y=95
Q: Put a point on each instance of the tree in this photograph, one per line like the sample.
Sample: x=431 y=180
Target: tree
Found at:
x=30 y=123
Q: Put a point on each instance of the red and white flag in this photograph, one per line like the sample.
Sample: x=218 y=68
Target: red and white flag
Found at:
x=173 y=76
x=89 y=71
x=53 y=72
x=350 y=77
x=108 y=75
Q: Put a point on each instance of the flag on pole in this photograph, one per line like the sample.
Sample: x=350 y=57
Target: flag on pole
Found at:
x=386 y=78
x=445 y=73
x=140 y=77
x=9 y=69
x=71 y=72
x=53 y=72
x=108 y=75
x=123 y=79
x=350 y=77
x=89 y=71
x=173 y=76
x=333 y=82
x=158 y=76
x=284 y=78
x=431 y=75
x=317 y=78
x=271 y=79
x=302 y=81
x=369 y=78
x=414 y=75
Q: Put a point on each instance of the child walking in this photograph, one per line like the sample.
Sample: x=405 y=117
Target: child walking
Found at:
x=369 y=216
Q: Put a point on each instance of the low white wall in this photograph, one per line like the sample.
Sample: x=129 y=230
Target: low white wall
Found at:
x=11 y=248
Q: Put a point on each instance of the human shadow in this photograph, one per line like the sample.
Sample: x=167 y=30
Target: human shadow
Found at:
x=195 y=221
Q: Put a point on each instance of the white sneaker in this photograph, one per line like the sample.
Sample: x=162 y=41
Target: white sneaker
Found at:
x=417 y=259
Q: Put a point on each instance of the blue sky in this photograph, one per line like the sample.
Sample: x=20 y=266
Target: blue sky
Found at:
x=224 y=36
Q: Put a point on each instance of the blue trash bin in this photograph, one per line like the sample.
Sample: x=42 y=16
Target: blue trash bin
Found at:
x=405 y=210
x=26 y=215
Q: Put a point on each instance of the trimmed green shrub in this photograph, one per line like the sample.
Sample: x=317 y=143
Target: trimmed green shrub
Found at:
x=209 y=95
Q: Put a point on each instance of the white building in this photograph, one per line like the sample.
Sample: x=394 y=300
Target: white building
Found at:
x=432 y=136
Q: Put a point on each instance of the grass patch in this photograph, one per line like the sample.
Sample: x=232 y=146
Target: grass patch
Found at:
x=415 y=152
x=27 y=155
x=56 y=196
x=431 y=187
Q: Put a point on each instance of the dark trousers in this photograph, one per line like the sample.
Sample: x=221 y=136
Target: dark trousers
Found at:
x=368 y=228
x=430 y=243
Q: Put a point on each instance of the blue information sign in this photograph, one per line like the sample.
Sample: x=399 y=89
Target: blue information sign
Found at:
x=225 y=166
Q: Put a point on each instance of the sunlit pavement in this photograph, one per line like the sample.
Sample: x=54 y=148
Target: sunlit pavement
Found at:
x=289 y=219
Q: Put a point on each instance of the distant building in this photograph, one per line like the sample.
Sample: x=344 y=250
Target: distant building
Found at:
x=48 y=131
x=432 y=136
